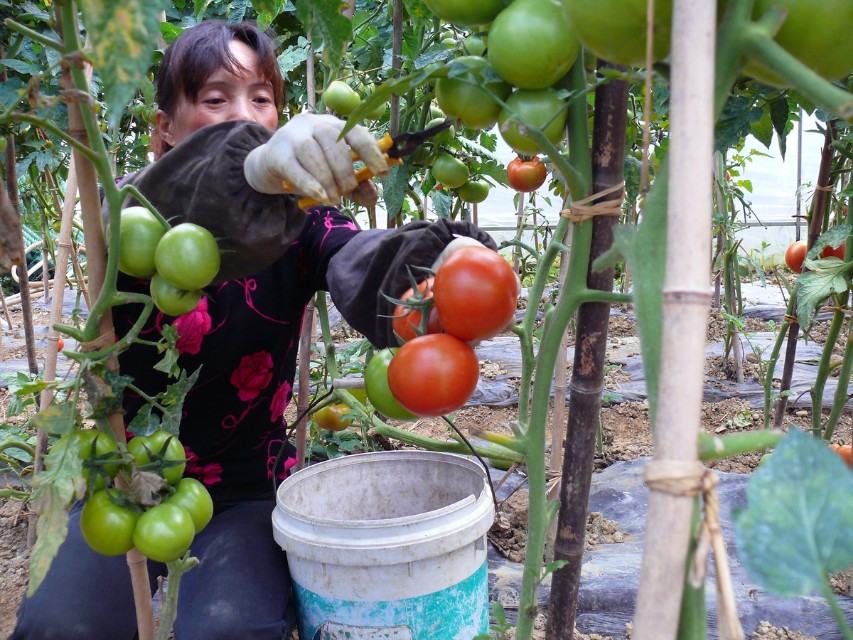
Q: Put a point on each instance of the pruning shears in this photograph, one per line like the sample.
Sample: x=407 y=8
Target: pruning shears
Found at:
x=394 y=148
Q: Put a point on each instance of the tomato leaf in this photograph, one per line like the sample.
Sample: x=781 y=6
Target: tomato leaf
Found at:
x=322 y=19
x=794 y=529
x=394 y=189
x=144 y=423
x=121 y=36
x=57 y=418
x=824 y=278
x=833 y=237
x=172 y=401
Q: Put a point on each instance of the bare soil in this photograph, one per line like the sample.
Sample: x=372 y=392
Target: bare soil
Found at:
x=626 y=434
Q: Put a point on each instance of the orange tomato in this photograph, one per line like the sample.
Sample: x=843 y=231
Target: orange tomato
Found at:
x=845 y=451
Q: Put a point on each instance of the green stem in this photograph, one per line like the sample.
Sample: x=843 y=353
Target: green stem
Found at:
x=844 y=375
x=760 y=46
x=774 y=358
x=721 y=447
x=823 y=371
x=447 y=446
x=41 y=123
x=326 y=332
x=18 y=444
x=169 y=611
x=837 y=612
x=33 y=35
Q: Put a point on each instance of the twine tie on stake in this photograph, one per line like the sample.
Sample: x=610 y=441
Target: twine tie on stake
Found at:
x=101 y=342
x=690 y=479
x=586 y=208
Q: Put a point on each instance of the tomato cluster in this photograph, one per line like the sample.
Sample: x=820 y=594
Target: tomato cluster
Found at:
x=111 y=521
x=180 y=261
x=796 y=253
x=472 y=297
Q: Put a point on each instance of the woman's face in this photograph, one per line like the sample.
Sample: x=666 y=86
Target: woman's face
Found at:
x=223 y=97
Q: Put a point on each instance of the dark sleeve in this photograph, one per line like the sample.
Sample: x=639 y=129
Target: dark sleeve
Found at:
x=375 y=262
x=201 y=180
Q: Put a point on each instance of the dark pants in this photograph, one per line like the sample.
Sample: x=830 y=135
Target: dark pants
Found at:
x=240 y=588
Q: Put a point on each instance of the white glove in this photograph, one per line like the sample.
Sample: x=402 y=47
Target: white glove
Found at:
x=308 y=155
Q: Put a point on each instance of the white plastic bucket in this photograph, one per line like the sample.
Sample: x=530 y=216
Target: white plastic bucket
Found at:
x=388 y=545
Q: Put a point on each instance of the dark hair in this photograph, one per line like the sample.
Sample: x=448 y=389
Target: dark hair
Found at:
x=202 y=50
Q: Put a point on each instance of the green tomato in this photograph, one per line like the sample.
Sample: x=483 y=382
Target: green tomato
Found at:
x=615 y=30
x=816 y=32
x=164 y=532
x=443 y=138
x=540 y=108
x=474 y=45
x=465 y=12
x=473 y=191
x=378 y=391
x=99 y=453
x=341 y=98
x=187 y=256
x=107 y=526
x=531 y=44
x=192 y=495
x=140 y=233
x=170 y=299
x=449 y=171
x=465 y=94
x=160 y=452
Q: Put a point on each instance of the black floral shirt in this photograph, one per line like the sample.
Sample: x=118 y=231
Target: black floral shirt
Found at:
x=244 y=333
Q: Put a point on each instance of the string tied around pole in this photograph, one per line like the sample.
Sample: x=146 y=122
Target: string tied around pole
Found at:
x=690 y=479
x=587 y=208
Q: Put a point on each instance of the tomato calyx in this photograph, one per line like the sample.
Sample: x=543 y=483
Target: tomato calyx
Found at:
x=415 y=313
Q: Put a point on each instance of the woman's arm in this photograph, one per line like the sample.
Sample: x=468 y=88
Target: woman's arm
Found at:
x=202 y=180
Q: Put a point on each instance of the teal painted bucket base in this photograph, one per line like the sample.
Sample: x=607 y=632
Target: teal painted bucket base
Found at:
x=459 y=612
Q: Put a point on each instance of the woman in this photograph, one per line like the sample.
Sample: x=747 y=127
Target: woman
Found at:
x=222 y=163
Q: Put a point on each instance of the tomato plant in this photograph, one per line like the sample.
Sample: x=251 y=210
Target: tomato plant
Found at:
x=531 y=44
x=170 y=299
x=193 y=496
x=107 y=525
x=465 y=12
x=140 y=233
x=164 y=532
x=408 y=320
x=160 y=452
x=450 y=171
x=476 y=293
x=187 y=256
x=540 y=108
x=526 y=175
x=433 y=375
x=816 y=33
x=615 y=30
x=332 y=417
x=341 y=98
x=466 y=96
x=795 y=254
x=474 y=191
x=378 y=391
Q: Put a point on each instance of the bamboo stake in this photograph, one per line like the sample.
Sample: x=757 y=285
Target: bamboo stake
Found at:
x=587 y=383
x=686 y=298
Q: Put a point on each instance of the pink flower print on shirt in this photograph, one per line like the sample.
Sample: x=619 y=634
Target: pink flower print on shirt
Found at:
x=207 y=474
x=192 y=327
x=279 y=402
x=252 y=375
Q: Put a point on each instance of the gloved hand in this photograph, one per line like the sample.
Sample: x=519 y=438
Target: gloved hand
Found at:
x=308 y=154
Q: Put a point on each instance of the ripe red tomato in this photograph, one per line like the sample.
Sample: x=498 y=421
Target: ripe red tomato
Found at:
x=378 y=391
x=162 y=451
x=187 y=256
x=140 y=234
x=526 y=176
x=60 y=344
x=107 y=525
x=408 y=321
x=433 y=375
x=844 y=451
x=476 y=292
x=837 y=252
x=795 y=254
x=164 y=532
x=192 y=495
